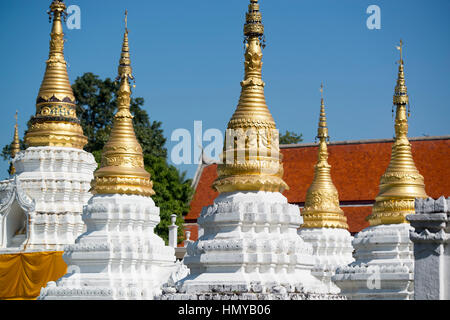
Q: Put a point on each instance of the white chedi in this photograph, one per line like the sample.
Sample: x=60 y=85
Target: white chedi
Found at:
x=56 y=180
x=332 y=248
x=250 y=245
x=119 y=256
x=384 y=266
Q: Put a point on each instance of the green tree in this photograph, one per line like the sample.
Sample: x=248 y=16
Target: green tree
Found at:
x=97 y=104
x=290 y=138
x=6 y=153
x=172 y=194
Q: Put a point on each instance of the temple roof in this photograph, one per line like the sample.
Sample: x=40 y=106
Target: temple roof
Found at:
x=357 y=168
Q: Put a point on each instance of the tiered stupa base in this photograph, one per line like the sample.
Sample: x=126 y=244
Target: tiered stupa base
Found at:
x=250 y=249
x=58 y=179
x=384 y=266
x=119 y=256
x=332 y=248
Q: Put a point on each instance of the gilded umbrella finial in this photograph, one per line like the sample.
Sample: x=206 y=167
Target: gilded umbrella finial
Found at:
x=251 y=160
x=402 y=182
x=322 y=199
x=126 y=20
x=400 y=48
x=122 y=167
x=321 y=90
x=55 y=122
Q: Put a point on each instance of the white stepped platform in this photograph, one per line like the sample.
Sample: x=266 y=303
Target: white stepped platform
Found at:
x=51 y=186
x=384 y=266
x=119 y=256
x=250 y=245
x=332 y=248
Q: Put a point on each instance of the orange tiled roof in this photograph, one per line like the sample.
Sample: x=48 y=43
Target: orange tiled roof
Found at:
x=357 y=167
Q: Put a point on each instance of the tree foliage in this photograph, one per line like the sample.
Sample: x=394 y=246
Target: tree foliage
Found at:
x=97 y=103
x=6 y=152
x=172 y=193
x=290 y=138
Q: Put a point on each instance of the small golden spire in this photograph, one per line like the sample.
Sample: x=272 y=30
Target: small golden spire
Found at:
x=15 y=145
x=322 y=199
x=402 y=182
x=56 y=122
x=323 y=129
x=251 y=160
x=122 y=167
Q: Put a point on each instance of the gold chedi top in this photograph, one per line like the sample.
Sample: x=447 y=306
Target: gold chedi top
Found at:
x=251 y=160
x=122 y=167
x=56 y=122
x=402 y=182
x=322 y=199
x=15 y=145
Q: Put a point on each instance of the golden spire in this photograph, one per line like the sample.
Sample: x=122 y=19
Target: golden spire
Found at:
x=15 y=145
x=402 y=182
x=122 y=167
x=322 y=199
x=251 y=160
x=56 y=122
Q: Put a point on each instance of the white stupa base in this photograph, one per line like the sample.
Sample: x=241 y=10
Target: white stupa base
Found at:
x=119 y=256
x=250 y=245
x=384 y=266
x=58 y=180
x=332 y=248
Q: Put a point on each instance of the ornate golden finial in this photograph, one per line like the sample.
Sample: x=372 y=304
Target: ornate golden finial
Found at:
x=56 y=122
x=402 y=182
x=323 y=129
x=122 y=167
x=322 y=199
x=400 y=48
x=15 y=145
x=126 y=20
x=251 y=160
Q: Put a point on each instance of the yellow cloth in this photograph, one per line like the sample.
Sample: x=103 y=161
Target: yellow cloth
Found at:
x=22 y=275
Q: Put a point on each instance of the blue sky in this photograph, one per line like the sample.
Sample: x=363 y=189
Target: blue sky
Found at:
x=188 y=61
